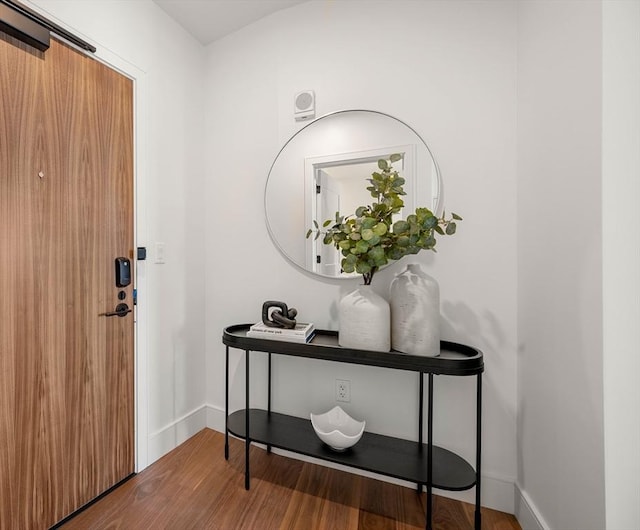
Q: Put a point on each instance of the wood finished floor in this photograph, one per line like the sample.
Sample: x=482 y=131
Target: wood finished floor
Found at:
x=194 y=487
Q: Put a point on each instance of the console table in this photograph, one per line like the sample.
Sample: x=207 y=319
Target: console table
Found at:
x=425 y=464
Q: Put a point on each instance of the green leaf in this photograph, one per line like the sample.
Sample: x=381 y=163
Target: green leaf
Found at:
x=347 y=266
x=423 y=212
x=308 y=233
x=382 y=164
x=379 y=207
x=315 y=223
x=375 y=240
x=360 y=210
x=376 y=254
x=451 y=229
x=361 y=247
x=456 y=216
x=439 y=229
x=369 y=222
x=400 y=227
x=430 y=222
x=344 y=245
x=395 y=157
x=326 y=223
x=380 y=229
x=367 y=234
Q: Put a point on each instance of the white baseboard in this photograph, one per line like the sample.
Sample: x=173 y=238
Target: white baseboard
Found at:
x=180 y=430
x=526 y=512
x=497 y=493
x=215 y=418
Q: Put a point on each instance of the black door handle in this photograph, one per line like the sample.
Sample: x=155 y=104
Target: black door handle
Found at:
x=121 y=310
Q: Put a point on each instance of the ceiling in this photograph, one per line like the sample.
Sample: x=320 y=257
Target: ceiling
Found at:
x=209 y=20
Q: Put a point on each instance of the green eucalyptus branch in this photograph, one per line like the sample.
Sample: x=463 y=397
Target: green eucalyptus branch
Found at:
x=370 y=239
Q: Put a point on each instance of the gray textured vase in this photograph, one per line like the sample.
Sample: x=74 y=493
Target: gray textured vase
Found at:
x=364 y=320
x=415 y=312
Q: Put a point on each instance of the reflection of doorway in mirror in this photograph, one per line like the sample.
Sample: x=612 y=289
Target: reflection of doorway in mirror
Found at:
x=338 y=183
x=327 y=200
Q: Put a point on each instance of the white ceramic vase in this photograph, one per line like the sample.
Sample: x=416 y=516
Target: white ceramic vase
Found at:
x=364 y=320
x=415 y=312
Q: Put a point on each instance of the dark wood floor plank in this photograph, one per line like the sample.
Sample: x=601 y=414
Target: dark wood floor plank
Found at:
x=323 y=498
x=195 y=488
x=448 y=513
x=273 y=480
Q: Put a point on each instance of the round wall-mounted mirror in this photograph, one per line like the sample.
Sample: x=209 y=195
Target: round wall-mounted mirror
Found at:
x=323 y=169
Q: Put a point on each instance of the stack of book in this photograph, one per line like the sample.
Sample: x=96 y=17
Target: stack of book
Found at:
x=301 y=333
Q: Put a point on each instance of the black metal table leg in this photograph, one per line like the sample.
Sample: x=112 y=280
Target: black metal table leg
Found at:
x=478 y=516
x=420 y=417
x=247 y=439
x=430 y=455
x=269 y=397
x=226 y=404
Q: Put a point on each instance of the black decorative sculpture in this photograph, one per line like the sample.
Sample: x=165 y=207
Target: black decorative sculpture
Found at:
x=280 y=317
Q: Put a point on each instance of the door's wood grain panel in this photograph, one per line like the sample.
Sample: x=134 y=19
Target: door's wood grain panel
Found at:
x=66 y=211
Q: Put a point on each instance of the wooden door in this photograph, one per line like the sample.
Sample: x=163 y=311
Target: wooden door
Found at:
x=66 y=211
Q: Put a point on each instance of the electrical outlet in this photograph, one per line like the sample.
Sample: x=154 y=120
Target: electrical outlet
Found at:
x=343 y=390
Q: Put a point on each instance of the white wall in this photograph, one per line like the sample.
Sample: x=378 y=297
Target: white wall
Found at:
x=560 y=394
x=449 y=70
x=140 y=39
x=621 y=261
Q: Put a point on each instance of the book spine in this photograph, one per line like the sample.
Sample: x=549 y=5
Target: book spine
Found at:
x=281 y=331
x=279 y=336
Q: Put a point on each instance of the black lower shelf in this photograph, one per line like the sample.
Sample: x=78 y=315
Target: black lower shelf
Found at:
x=393 y=457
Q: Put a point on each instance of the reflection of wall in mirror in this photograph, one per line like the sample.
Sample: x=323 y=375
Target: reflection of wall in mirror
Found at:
x=351 y=180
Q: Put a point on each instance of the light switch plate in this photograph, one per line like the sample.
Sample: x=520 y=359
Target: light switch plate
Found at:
x=159 y=253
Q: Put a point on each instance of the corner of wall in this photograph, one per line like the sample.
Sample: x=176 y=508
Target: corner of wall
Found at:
x=172 y=435
x=215 y=418
x=526 y=512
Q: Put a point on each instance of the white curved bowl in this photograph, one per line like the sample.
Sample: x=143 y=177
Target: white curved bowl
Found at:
x=337 y=429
